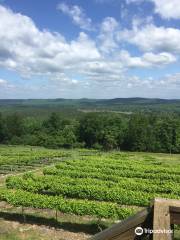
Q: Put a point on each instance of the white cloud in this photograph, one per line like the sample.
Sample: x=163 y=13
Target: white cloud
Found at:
x=29 y=51
x=138 y=22
x=77 y=14
x=159 y=59
x=109 y=24
x=167 y=8
x=147 y=60
x=153 y=38
x=170 y=80
x=82 y=63
x=2 y=82
x=108 y=28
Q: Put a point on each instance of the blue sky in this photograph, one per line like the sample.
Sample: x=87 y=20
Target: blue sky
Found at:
x=93 y=49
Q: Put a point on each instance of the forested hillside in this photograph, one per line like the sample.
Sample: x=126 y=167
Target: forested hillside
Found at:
x=42 y=107
x=151 y=132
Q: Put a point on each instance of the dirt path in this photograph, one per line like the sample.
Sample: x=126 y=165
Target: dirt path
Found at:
x=31 y=231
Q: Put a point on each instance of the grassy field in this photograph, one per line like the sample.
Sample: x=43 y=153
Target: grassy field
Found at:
x=80 y=189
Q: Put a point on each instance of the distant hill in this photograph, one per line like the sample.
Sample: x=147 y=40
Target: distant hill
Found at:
x=87 y=101
x=45 y=106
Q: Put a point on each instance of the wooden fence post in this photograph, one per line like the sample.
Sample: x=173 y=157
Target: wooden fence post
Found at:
x=161 y=221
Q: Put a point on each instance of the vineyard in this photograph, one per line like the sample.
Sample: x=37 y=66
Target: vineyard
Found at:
x=104 y=185
x=20 y=159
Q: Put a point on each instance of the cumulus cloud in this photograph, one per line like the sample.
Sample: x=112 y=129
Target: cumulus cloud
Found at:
x=29 y=51
x=170 y=80
x=108 y=28
x=147 y=60
x=165 y=8
x=109 y=24
x=83 y=62
x=77 y=15
x=152 y=38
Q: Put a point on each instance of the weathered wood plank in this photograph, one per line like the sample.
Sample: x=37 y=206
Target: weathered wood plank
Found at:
x=161 y=221
x=125 y=228
x=163 y=217
x=164 y=213
x=175 y=215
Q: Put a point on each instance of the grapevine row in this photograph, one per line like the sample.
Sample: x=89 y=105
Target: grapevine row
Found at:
x=108 y=173
x=87 y=191
x=123 y=165
x=78 y=207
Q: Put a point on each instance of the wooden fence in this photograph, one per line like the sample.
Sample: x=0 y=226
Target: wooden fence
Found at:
x=153 y=223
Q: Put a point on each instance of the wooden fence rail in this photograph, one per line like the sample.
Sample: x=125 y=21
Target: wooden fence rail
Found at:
x=153 y=223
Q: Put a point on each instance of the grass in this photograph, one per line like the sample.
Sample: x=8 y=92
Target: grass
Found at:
x=41 y=224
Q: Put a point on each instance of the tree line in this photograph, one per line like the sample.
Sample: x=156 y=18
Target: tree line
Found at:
x=105 y=131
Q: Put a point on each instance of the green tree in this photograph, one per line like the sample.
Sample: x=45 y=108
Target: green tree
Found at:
x=69 y=136
x=90 y=129
x=137 y=136
x=2 y=129
x=14 y=125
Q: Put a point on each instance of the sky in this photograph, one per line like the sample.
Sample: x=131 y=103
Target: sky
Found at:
x=89 y=49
